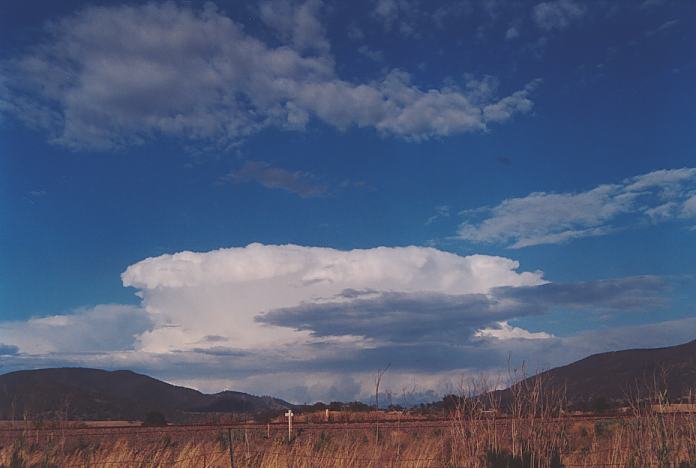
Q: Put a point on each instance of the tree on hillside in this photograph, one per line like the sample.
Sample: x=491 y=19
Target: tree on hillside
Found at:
x=154 y=419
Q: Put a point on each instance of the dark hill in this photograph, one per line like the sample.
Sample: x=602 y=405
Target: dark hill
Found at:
x=615 y=376
x=80 y=393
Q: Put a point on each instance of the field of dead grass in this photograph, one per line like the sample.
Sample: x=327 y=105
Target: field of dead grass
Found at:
x=535 y=431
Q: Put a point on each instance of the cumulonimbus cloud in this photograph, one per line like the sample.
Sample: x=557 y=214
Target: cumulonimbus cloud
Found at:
x=192 y=295
x=111 y=76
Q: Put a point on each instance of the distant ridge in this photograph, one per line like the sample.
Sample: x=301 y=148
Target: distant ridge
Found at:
x=614 y=376
x=94 y=394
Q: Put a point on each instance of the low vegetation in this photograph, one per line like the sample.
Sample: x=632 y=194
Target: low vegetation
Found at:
x=531 y=428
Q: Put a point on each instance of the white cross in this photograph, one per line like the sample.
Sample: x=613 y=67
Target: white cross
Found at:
x=289 y=415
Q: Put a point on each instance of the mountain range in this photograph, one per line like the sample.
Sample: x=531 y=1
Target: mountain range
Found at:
x=93 y=394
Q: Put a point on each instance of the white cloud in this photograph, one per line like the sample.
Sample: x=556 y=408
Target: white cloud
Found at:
x=665 y=179
x=505 y=108
x=297 y=23
x=504 y=331
x=537 y=217
x=553 y=218
x=662 y=212
x=414 y=18
x=512 y=33
x=103 y=328
x=191 y=295
x=397 y=14
x=557 y=14
x=667 y=25
x=372 y=54
x=689 y=207
x=107 y=77
x=385 y=268
x=441 y=211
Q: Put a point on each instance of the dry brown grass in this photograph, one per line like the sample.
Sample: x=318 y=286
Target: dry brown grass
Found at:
x=535 y=432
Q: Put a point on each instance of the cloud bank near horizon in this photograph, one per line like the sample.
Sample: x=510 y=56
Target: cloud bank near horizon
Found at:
x=323 y=319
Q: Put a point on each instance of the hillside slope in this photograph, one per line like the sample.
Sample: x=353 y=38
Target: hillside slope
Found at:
x=95 y=394
x=615 y=376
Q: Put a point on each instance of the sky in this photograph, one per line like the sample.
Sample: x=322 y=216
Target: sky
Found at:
x=282 y=197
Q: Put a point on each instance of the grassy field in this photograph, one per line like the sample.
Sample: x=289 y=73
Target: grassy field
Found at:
x=532 y=430
x=635 y=441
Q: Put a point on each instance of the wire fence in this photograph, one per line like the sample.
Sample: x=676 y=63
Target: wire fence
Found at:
x=250 y=445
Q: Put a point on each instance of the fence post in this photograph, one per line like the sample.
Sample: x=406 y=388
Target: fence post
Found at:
x=289 y=414
x=231 y=447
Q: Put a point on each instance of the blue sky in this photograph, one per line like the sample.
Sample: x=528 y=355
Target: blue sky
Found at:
x=558 y=135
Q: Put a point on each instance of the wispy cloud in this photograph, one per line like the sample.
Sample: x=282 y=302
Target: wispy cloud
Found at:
x=301 y=183
x=297 y=23
x=441 y=211
x=553 y=218
x=661 y=28
x=557 y=14
x=372 y=54
x=651 y=3
x=398 y=14
x=512 y=33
